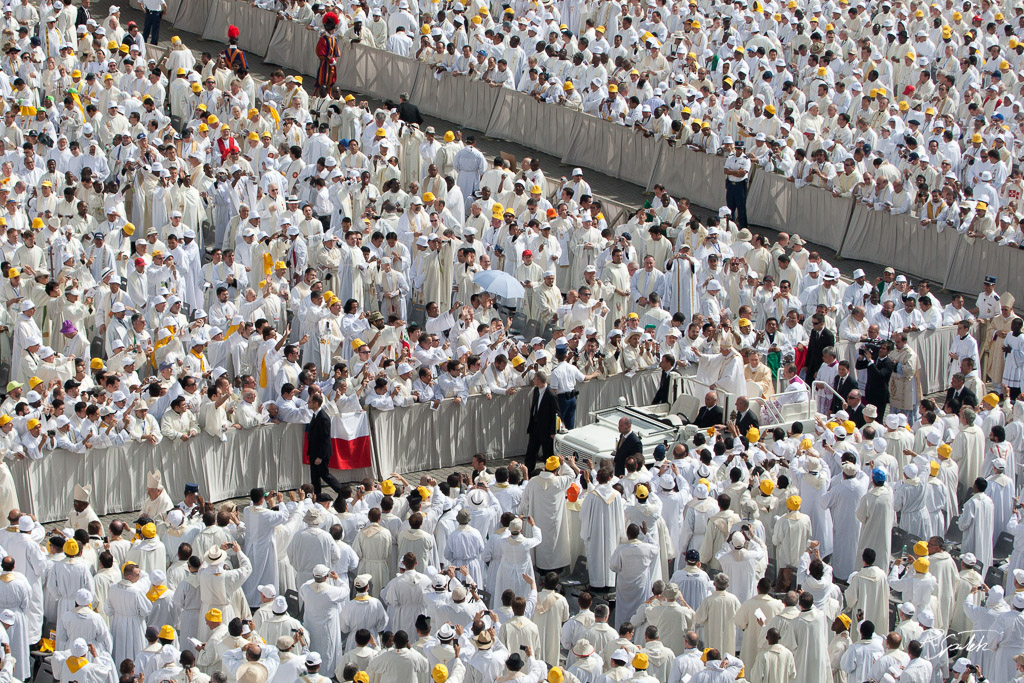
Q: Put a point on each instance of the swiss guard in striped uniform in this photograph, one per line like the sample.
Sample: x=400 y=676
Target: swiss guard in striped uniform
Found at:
x=327 y=52
x=233 y=55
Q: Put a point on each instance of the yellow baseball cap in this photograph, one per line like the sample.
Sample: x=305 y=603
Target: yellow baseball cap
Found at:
x=214 y=615
x=552 y=463
x=793 y=502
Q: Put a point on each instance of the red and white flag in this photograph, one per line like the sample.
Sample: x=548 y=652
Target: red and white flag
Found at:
x=350 y=442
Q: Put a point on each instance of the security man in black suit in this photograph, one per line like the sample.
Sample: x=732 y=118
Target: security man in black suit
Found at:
x=844 y=383
x=543 y=420
x=627 y=444
x=710 y=414
x=668 y=362
x=745 y=417
x=960 y=392
x=319 y=449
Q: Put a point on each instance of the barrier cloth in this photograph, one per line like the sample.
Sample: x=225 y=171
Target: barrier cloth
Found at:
x=686 y=173
x=776 y=203
x=256 y=25
x=974 y=259
x=293 y=46
x=361 y=68
x=419 y=438
x=191 y=16
x=519 y=117
x=902 y=242
x=173 y=7
x=270 y=456
x=589 y=145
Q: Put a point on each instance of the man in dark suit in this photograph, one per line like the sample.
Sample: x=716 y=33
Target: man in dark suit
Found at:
x=844 y=383
x=710 y=414
x=627 y=445
x=880 y=370
x=543 y=420
x=959 y=391
x=668 y=362
x=857 y=410
x=319 y=449
x=820 y=339
x=745 y=417
x=407 y=111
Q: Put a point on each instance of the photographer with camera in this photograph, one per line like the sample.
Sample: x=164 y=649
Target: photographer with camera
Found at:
x=874 y=357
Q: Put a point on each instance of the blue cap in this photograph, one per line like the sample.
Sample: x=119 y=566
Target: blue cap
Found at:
x=878 y=475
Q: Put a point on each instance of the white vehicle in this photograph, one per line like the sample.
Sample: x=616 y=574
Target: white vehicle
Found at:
x=669 y=424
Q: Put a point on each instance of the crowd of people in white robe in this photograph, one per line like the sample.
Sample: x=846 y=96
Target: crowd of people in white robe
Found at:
x=321 y=252
x=907 y=107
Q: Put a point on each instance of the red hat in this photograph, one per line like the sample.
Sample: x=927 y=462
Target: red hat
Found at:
x=909 y=90
x=527 y=252
x=551 y=213
x=140 y=261
x=330 y=20
x=233 y=32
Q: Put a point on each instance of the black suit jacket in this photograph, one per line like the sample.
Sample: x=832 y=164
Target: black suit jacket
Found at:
x=409 y=113
x=966 y=396
x=319 y=434
x=630 y=445
x=709 y=417
x=877 y=390
x=747 y=420
x=661 y=395
x=843 y=387
x=857 y=415
x=543 y=417
x=815 y=345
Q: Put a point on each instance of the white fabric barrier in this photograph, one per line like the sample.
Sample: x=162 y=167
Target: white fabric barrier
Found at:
x=974 y=259
x=293 y=46
x=256 y=26
x=777 y=203
x=542 y=126
x=191 y=16
x=902 y=242
x=696 y=175
x=375 y=72
x=589 y=145
x=418 y=438
x=432 y=94
x=270 y=456
x=638 y=154
x=173 y=7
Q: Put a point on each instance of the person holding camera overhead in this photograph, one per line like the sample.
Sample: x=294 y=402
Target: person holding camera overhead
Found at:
x=875 y=359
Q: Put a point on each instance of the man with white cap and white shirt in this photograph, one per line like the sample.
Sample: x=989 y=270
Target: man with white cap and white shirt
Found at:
x=279 y=623
x=158 y=502
x=322 y=613
x=83 y=663
x=81 y=622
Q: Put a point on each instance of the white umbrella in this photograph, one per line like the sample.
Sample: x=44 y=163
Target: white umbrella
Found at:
x=500 y=283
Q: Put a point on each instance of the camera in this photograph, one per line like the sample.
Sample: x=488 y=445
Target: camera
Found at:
x=869 y=349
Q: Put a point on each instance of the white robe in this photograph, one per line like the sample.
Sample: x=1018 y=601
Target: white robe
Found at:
x=261 y=548
x=544 y=500
x=602 y=527
x=807 y=639
x=977 y=521
x=632 y=562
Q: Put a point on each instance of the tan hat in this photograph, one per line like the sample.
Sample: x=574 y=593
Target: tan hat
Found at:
x=154 y=480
